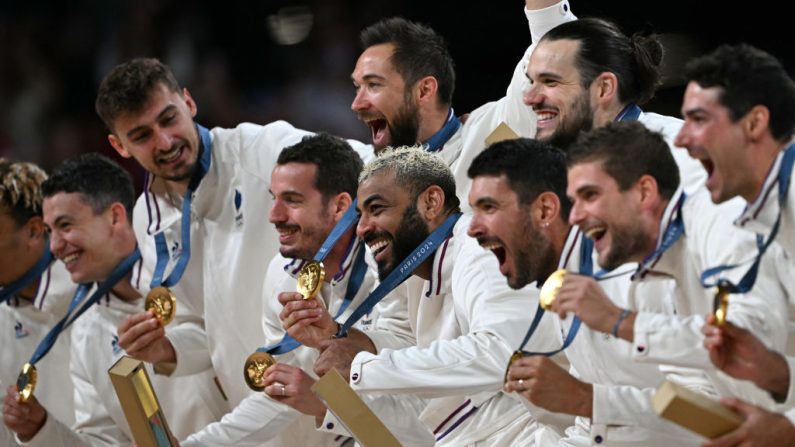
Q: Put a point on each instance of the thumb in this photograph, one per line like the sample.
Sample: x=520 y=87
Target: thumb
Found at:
x=738 y=406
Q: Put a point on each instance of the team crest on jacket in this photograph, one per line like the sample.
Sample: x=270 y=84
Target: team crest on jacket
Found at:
x=20 y=331
x=238 y=208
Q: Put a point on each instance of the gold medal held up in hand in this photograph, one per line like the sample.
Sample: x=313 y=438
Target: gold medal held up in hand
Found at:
x=254 y=370
x=721 y=303
x=514 y=357
x=26 y=382
x=310 y=279
x=549 y=291
x=163 y=302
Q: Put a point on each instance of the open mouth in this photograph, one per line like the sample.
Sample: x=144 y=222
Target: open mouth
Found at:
x=378 y=130
x=596 y=232
x=495 y=247
x=170 y=155
x=69 y=259
x=708 y=165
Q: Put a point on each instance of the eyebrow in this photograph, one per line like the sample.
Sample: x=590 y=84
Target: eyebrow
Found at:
x=368 y=201
x=369 y=76
x=485 y=201
x=167 y=109
x=694 y=111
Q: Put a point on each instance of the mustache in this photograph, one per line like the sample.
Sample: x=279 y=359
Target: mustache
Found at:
x=375 y=235
x=281 y=226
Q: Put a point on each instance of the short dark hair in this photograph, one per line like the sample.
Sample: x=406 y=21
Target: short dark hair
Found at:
x=747 y=77
x=338 y=165
x=99 y=180
x=20 y=190
x=530 y=166
x=627 y=151
x=419 y=52
x=128 y=87
x=635 y=60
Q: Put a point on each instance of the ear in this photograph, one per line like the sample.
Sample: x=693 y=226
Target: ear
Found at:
x=545 y=209
x=604 y=88
x=430 y=203
x=116 y=143
x=757 y=122
x=118 y=214
x=425 y=90
x=35 y=228
x=649 y=192
x=192 y=107
x=339 y=205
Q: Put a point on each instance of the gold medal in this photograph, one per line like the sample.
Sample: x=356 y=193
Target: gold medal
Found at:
x=514 y=357
x=310 y=278
x=721 y=304
x=163 y=303
x=549 y=291
x=254 y=370
x=26 y=382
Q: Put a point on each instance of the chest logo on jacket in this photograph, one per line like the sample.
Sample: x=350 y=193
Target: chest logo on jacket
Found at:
x=114 y=344
x=20 y=331
x=238 y=210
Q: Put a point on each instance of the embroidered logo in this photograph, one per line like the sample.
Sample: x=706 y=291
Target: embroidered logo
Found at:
x=20 y=331
x=115 y=344
x=366 y=323
x=238 y=210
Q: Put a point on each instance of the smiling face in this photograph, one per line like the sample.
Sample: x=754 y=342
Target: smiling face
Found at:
x=712 y=138
x=162 y=137
x=556 y=94
x=390 y=223
x=607 y=215
x=301 y=215
x=381 y=99
x=504 y=226
x=84 y=241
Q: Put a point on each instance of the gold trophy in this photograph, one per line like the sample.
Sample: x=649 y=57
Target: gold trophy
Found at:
x=163 y=302
x=310 y=279
x=26 y=382
x=721 y=302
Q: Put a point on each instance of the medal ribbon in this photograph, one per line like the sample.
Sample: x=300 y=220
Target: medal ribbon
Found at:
x=118 y=273
x=35 y=272
x=443 y=135
x=630 y=113
x=160 y=238
x=423 y=251
x=349 y=219
x=747 y=281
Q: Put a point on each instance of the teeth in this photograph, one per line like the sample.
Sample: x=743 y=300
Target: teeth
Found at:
x=543 y=116
x=70 y=258
x=288 y=231
x=595 y=232
x=378 y=245
x=170 y=156
x=491 y=246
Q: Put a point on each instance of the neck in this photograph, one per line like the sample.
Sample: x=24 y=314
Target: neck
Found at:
x=608 y=114
x=558 y=233
x=432 y=122
x=123 y=289
x=177 y=187
x=425 y=269
x=759 y=164
x=29 y=292
x=654 y=227
x=333 y=262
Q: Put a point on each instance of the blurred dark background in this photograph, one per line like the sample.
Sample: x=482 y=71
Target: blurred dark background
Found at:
x=279 y=59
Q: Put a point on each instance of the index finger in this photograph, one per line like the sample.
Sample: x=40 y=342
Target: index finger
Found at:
x=132 y=320
x=286 y=297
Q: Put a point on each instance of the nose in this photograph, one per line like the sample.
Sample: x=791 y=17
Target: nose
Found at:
x=360 y=101
x=365 y=226
x=577 y=214
x=57 y=244
x=475 y=229
x=532 y=95
x=683 y=136
x=276 y=213
x=164 y=139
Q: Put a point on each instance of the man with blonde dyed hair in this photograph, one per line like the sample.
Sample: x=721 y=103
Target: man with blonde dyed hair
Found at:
x=34 y=293
x=462 y=313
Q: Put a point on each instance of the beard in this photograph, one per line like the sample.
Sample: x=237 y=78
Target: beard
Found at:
x=534 y=253
x=581 y=120
x=626 y=242
x=409 y=235
x=405 y=128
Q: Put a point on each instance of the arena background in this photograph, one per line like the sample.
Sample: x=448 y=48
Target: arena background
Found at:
x=276 y=59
